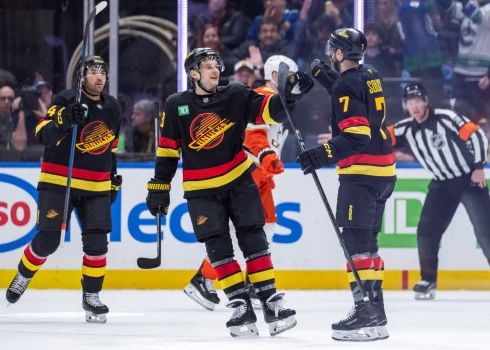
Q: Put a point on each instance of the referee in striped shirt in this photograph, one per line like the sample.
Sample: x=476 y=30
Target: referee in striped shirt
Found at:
x=454 y=150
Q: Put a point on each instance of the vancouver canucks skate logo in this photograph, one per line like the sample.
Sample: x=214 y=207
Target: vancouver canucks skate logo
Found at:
x=95 y=138
x=208 y=130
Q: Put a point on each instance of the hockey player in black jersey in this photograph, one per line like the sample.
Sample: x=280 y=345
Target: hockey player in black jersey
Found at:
x=361 y=148
x=94 y=184
x=207 y=125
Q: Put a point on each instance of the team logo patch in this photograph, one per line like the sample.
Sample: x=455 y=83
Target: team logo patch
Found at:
x=52 y=214
x=201 y=219
x=208 y=130
x=95 y=138
x=437 y=141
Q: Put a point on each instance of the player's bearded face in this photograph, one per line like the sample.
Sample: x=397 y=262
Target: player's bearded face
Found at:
x=333 y=52
x=95 y=79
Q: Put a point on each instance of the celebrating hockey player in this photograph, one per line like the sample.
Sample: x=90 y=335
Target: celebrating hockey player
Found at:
x=454 y=150
x=263 y=143
x=208 y=124
x=361 y=148
x=94 y=184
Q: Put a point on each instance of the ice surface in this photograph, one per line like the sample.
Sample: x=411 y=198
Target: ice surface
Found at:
x=54 y=319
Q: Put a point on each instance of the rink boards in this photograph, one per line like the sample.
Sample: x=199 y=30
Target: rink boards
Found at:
x=305 y=249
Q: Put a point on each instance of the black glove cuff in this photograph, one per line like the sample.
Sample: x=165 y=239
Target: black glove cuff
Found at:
x=155 y=185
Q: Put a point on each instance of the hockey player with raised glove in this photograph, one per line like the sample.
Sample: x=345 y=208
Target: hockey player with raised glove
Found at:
x=208 y=124
x=361 y=148
x=67 y=117
x=263 y=144
x=93 y=187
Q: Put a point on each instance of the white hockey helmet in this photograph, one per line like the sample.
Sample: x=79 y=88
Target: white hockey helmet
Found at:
x=272 y=65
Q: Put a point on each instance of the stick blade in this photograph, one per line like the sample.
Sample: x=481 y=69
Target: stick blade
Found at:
x=149 y=263
x=281 y=78
x=100 y=6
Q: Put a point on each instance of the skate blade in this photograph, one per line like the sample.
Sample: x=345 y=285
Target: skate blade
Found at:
x=383 y=332
x=357 y=335
x=194 y=294
x=430 y=295
x=93 y=318
x=248 y=330
x=278 y=327
x=256 y=304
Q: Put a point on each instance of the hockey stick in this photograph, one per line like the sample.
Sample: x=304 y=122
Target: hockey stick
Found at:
x=281 y=87
x=98 y=8
x=150 y=263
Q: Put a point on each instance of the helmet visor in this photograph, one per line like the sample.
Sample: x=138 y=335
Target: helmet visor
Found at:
x=330 y=49
x=211 y=62
x=96 y=70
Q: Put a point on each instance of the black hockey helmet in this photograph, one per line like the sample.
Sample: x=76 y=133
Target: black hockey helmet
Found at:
x=413 y=90
x=200 y=54
x=350 y=41
x=95 y=62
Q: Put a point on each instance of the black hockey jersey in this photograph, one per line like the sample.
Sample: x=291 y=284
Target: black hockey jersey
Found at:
x=360 y=140
x=209 y=131
x=95 y=146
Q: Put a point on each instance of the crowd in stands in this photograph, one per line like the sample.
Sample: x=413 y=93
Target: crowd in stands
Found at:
x=444 y=43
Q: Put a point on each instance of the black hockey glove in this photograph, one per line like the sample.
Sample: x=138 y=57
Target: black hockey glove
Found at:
x=324 y=74
x=72 y=114
x=158 y=196
x=297 y=85
x=315 y=158
x=116 y=182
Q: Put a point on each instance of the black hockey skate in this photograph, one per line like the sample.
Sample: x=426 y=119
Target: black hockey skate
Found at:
x=242 y=321
x=279 y=318
x=96 y=312
x=381 y=320
x=17 y=288
x=357 y=326
x=425 y=290
x=202 y=291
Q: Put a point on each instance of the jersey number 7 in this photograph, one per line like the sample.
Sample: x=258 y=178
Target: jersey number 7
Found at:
x=380 y=106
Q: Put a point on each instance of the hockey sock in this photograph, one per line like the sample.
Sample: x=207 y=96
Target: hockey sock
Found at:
x=207 y=270
x=30 y=263
x=379 y=267
x=365 y=268
x=230 y=278
x=93 y=270
x=261 y=274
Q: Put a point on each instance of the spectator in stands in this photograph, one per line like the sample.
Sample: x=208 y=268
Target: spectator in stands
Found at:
x=390 y=30
x=12 y=130
x=473 y=55
x=268 y=44
x=275 y=10
x=422 y=56
x=376 y=55
x=309 y=41
x=233 y=24
x=244 y=73
x=210 y=38
x=140 y=137
x=339 y=11
x=45 y=90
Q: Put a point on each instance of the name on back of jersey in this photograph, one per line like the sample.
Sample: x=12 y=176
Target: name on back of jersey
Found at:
x=374 y=86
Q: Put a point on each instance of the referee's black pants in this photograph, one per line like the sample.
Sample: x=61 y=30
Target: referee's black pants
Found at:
x=440 y=205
